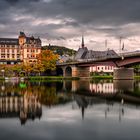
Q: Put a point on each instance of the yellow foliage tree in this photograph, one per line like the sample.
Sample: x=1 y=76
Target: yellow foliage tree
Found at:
x=48 y=59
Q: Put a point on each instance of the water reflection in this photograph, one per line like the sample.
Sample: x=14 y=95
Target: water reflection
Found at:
x=18 y=103
x=70 y=110
x=24 y=100
x=101 y=87
x=110 y=107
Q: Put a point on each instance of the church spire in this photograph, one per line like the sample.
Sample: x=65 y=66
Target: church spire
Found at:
x=83 y=45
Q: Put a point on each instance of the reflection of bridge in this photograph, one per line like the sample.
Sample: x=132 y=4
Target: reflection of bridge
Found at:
x=102 y=88
x=105 y=89
x=106 y=106
x=84 y=59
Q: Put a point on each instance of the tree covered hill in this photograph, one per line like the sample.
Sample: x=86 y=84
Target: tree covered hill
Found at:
x=60 y=50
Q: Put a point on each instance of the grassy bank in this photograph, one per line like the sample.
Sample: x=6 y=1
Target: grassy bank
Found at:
x=60 y=78
x=50 y=78
x=109 y=77
x=137 y=77
x=102 y=77
x=2 y=78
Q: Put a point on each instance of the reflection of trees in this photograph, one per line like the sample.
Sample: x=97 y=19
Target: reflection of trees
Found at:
x=49 y=96
x=46 y=92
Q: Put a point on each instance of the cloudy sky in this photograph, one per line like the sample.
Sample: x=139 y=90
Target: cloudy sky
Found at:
x=63 y=22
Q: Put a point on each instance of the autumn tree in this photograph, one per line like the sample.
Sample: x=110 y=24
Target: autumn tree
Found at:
x=38 y=68
x=47 y=59
x=16 y=69
x=28 y=68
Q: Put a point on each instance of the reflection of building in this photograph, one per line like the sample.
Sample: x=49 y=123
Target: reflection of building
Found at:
x=22 y=106
x=23 y=48
x=102 y=88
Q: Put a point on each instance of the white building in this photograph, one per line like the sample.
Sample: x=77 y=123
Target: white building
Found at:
x=102 y=68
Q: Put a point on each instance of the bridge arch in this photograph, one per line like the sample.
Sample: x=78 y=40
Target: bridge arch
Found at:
x=68 y=85
x=59 y=71
x=68 y=71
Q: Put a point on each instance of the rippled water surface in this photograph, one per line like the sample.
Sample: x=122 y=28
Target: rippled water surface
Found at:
x=70 y=110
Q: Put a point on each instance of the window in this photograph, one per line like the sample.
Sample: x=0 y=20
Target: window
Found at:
x=18 y=56
x=18 y=51
x=13 y=56
x=3 y=50
x=2 y=56
x=12 y=63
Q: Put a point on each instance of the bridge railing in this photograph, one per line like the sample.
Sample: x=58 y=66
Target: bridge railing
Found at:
x=135 y=53
x=98 y=58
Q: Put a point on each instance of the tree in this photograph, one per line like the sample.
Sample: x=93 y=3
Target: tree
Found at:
x=28 y=68
x=47 y=59
x=38 y=68
x=137 y=68
x=16 y=69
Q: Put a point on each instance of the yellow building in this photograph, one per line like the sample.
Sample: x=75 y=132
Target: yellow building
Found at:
x=23 y=49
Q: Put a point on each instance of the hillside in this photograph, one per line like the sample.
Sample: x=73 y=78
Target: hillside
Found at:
x=59 y=50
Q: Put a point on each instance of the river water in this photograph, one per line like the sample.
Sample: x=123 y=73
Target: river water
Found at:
x=70 y=110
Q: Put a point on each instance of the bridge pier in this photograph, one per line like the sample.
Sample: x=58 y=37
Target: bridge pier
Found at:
x=123 y=74
x=80 y=72
x=75 y=71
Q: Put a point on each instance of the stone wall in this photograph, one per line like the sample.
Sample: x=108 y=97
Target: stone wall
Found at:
x=123 y=73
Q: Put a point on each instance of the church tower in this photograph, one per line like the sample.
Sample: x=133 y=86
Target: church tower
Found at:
x=83 y=44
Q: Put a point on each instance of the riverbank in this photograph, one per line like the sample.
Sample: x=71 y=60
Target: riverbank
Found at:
x=53 y=78
x=137 y=77
x=109 y=77
x=102 y=77
x=57 y=78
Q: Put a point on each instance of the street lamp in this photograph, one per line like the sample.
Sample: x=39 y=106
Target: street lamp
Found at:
x=3 y=72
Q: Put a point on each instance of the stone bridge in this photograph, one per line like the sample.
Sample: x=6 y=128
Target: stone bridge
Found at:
x=81 y=68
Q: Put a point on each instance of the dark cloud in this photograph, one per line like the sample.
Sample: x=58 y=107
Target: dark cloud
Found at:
x=103 y=16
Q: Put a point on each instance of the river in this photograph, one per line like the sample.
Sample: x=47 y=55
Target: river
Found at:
x=70 y=110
